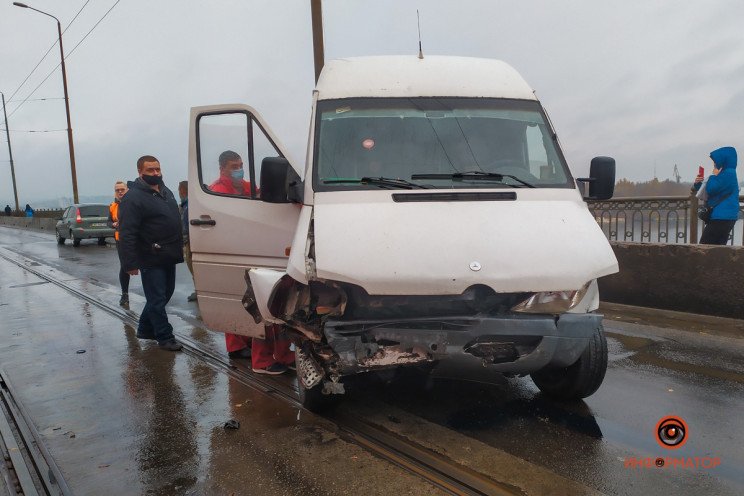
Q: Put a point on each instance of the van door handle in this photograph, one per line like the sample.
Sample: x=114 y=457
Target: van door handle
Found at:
x=199 y=222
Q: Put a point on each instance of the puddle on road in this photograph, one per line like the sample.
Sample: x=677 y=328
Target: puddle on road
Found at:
x=655 y=352
x=677 y=321
x=632 y=343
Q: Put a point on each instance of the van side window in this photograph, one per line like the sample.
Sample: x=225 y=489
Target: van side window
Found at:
x=231 y=147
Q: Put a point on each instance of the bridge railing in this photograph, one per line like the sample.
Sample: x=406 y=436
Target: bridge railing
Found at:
x=661 y=219
x=46 y=213
x=647 y=219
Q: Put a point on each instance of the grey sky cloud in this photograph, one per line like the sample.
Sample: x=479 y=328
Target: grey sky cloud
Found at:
x=648 y=82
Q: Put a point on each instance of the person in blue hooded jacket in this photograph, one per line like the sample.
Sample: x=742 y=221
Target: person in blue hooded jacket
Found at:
x=723 y=194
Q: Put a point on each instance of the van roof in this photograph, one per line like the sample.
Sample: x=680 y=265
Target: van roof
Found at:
x=432 y=76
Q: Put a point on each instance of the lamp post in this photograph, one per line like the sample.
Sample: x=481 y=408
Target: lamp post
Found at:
x=67 y=100
x=10 y=154
x=316 y=12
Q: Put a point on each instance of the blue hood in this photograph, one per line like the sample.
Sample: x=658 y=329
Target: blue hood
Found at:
x=725 y=158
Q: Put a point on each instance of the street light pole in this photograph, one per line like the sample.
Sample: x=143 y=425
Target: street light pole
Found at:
x=10 y=154
x=67 y=99
x=316 y=12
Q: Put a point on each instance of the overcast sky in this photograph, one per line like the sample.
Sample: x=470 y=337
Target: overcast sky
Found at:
x=651 y=83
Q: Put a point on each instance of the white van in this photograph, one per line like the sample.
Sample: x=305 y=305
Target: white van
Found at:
x=435 y=224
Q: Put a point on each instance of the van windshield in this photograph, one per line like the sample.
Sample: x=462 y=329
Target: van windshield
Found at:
x=440 y=143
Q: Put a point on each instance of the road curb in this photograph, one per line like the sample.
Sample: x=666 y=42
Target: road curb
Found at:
x=680 y=320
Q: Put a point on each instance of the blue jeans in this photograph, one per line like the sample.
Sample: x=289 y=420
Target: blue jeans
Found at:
x=158 y=284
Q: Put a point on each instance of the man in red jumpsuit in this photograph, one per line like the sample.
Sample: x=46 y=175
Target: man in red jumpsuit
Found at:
x=270 y=355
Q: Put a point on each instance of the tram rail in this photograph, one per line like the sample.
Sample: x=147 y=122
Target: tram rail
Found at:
x=416 y=459
x=28 y=468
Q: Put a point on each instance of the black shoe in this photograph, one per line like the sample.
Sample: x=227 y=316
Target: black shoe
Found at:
x=273 y=369
x=170 y=346
x=244 y=353
x=191 y=297
x=124 y=299
x=145 y=335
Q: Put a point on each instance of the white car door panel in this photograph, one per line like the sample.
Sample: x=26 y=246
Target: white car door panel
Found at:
x=232 y=232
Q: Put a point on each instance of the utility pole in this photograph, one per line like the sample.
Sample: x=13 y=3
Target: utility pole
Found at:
x=67 y=99
x=10 y=154
x=316 y=10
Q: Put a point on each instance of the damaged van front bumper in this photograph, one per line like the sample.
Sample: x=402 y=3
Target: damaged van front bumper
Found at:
x=512 y=344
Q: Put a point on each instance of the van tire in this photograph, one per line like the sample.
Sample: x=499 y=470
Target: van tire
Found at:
x=75 y=241
x=60 y=239
x=581 y=379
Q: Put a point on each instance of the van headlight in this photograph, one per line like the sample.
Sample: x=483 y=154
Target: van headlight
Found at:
x=553 y=302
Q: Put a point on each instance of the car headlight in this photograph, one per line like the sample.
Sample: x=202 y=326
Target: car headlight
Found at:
x=554 y=302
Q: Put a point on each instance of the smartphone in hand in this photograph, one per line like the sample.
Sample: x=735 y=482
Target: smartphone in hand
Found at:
x=701 y=171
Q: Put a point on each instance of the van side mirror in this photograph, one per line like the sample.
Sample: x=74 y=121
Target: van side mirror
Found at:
x=601 y=179
x=279 y=182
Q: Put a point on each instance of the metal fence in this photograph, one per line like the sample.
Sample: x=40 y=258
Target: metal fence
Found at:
x=46 y=213
x=663 y=219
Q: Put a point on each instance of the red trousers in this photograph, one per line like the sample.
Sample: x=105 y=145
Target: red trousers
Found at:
x=274 y=348
x=236 y=342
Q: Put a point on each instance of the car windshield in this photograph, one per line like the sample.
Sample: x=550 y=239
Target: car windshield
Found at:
x=438 y=143
x=94 y=211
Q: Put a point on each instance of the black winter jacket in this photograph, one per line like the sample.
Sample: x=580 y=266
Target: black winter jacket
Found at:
x=149 y=228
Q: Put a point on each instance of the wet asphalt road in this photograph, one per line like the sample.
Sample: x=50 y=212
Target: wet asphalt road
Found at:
x=127 y=418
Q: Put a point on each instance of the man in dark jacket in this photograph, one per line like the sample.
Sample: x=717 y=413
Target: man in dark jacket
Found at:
x=150 y=239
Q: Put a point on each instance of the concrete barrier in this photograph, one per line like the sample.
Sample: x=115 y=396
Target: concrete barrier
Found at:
x=39 y=223
x=702 y=279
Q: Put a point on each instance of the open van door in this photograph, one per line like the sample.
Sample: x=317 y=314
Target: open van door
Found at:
x=230 y=232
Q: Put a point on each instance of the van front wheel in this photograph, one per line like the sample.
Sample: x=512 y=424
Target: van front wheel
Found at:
x=581 y=379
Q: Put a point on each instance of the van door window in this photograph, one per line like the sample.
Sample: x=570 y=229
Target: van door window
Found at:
x=231 y=147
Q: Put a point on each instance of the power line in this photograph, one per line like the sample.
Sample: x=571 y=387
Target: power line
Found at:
x=68 y=53
x=36 y=131
x=44 y=56
x=41 y=99
x=94 y=27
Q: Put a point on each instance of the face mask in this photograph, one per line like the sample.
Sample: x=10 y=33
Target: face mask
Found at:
x=152 y=180
x=237 y=175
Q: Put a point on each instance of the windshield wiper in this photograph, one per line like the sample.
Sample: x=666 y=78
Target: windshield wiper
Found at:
x=378 y=181
x=474 y=175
